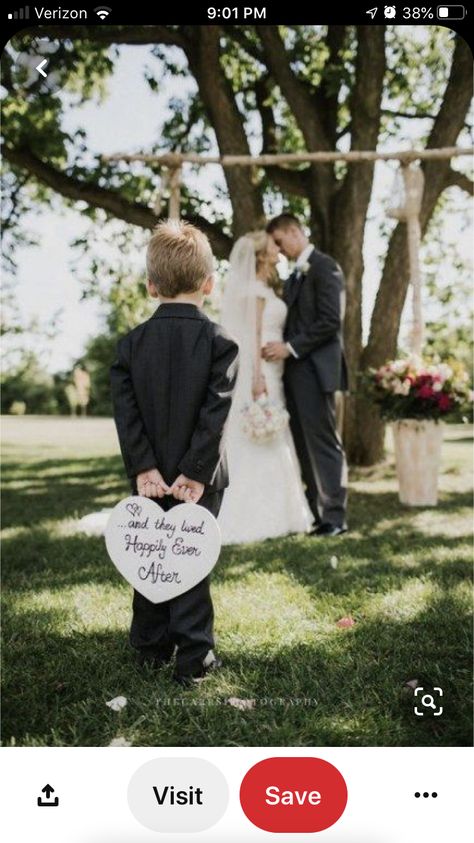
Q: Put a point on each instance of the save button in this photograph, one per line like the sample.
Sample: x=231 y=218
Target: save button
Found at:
x=293 y=794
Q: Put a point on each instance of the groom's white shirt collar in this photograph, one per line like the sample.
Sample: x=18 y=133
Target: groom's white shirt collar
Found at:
x=304 y=256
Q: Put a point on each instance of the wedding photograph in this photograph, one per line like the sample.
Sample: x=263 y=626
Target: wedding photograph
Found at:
x=237 y=386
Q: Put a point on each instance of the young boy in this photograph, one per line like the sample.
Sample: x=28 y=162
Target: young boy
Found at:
x=172 y=385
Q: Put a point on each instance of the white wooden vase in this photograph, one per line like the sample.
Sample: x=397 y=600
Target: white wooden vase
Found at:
x=418 y=457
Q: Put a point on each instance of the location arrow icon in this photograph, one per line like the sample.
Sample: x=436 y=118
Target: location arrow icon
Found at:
x=372 y=12
x=40 y=66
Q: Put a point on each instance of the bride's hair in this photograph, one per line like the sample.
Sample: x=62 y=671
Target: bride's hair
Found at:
x=262 y=262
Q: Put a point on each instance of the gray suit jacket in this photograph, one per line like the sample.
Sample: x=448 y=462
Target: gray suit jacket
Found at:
x=314 y=325
x=172 y=385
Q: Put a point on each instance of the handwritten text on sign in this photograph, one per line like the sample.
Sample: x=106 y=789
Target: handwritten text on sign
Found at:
x=162 y=554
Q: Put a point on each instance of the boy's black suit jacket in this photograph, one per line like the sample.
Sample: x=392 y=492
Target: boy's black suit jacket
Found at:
x=172 y=385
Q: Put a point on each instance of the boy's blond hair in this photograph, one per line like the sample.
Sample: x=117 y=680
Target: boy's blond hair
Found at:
x=179 y=258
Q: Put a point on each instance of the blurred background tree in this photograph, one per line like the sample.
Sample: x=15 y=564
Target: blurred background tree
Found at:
x=28 y=382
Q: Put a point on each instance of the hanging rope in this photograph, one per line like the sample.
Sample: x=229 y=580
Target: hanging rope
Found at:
x=174 y=181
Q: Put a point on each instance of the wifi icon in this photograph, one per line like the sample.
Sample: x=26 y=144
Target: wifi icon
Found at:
x=102 y=12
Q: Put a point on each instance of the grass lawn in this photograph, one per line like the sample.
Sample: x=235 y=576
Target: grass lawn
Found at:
x=402 y=574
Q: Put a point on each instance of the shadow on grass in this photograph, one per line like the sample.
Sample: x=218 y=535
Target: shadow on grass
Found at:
x=369 y=508
x=345 y=691
x=365 y=563
x=55 y=562
x=58 y=489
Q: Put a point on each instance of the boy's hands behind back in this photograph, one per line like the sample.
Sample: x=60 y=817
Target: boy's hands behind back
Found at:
x=150 y=484
x=187 y=490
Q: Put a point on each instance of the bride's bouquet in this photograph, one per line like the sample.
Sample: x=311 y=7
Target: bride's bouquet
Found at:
x=263 y=420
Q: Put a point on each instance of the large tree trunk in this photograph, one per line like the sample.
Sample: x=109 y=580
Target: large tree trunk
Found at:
x=219 y=101
x=351 y=204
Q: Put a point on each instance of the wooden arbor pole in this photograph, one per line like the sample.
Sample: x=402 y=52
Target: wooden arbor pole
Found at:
x=170 y=180
x=414 y=184
x=407 y=209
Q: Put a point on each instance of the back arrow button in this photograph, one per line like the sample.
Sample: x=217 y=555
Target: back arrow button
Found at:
x=39 y=69
x=40 y=66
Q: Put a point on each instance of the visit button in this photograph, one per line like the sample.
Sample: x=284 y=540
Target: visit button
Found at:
x=293 y=794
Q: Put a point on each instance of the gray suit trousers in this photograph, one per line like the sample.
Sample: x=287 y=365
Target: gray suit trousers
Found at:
x=317 y=441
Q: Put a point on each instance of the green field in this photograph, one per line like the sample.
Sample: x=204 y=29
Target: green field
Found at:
x=402 y=574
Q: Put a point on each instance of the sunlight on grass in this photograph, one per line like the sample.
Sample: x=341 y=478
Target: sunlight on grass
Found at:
x=404 y=604
x=81 y=609
x=433 y=523
x=433 y=556
x=267 y=609
x=381 y=487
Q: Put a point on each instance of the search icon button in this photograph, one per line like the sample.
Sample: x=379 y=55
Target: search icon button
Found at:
x=427 y=701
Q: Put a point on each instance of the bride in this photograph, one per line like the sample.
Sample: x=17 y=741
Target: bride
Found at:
x=265 y=497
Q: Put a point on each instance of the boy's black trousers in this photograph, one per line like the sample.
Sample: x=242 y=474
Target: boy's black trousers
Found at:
x=185 y=621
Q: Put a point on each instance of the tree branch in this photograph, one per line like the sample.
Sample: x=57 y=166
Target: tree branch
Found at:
x=269 y=126
x=327 y=96
x=448 y=124
x=295 y=92
x=457 y=179
x=237 y=34
x=290 y=181
x=108 y=200
x=412 y=116
x=417 y=116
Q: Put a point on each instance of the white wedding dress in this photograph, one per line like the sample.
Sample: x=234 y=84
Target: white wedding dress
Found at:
x=265 y=497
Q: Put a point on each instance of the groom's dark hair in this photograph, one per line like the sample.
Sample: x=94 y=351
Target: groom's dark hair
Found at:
x=283 y=221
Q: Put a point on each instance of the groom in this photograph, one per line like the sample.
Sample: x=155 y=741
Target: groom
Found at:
x=315 y=368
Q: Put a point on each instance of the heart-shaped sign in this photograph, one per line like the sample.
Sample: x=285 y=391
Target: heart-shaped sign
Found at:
x=162 y=554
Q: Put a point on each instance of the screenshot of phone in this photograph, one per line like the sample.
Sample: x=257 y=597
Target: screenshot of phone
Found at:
x=237 y=423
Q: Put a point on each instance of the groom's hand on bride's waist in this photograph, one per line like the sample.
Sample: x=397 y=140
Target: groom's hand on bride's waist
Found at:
x=275 y=351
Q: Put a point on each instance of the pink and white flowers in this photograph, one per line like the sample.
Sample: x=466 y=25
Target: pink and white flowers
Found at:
x=263 y=419
x=412 y=388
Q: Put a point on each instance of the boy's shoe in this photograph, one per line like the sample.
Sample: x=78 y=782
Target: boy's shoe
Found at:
x=210 y=664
